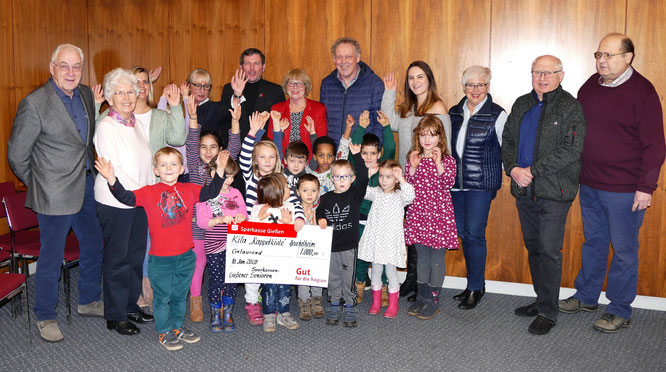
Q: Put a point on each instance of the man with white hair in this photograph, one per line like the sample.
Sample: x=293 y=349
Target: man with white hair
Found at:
x=51 y=151
x=541 y=147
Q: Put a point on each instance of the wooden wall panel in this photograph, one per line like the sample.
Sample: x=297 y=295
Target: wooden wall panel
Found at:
x=646 y=25
x=212 y=35
x=7 y=90
x=402 y=32
x=570 y=30
x=299 y=34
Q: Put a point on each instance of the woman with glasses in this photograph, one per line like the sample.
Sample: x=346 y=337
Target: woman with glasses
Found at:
x=121 y=139
x=304 y=115
x=209 y=113
x=477 y=124
x=421 y=98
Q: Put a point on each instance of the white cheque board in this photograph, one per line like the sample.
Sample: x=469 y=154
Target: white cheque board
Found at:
x=274 y=253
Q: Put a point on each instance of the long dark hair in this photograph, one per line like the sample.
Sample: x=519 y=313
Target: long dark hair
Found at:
x=410 y=98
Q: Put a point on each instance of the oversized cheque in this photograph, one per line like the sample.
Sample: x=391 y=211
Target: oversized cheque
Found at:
x=273 y=253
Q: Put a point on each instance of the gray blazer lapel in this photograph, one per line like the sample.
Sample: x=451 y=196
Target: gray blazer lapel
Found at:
x=86 y=98
x=61 y=112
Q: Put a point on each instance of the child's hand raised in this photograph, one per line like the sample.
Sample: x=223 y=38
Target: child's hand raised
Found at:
x=264 y=116
x=105 y=168
x=382 y=118
x=350 y=121
x=354 y=148
x=414 y=159
x=191 y=108
x=221 y=162
x=255 y=123
x=235 y=109
x=263 y=212
x=372 y=171
x=284 y=124
x=286 y=215
x=436 y=155
x=276 y=116
x=310 y=126
x=364 y=119
x=397 y=173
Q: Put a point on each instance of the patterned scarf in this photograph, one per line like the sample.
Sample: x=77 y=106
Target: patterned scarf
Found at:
x=113 y=114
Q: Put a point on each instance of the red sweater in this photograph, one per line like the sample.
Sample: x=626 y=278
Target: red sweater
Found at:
x=624 y=144
x=314 y=109
x=169 y=210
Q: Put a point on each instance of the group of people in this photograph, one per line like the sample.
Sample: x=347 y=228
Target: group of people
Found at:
x=151 y=210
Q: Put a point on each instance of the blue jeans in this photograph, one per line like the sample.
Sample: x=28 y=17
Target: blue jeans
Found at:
x=607 y=218
x=170 y=277
x=471 y=210
x=275 y=297
x=542 y=223
x=54 y=230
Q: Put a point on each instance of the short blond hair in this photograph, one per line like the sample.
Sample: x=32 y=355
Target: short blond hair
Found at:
x=166 y=151
x=300 y=75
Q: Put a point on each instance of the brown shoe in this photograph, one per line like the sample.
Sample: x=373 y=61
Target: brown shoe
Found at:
x=305 y=309
x=317 y=308
x=360 y=287
x=611 y=323
x=196 y=315
x=385 y=301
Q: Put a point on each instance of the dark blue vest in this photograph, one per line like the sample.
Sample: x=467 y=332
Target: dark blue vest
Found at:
x=481 y=165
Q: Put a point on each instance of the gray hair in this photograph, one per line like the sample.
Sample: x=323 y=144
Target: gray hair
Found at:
x=116 y=76
x=62 y=47
x=475 y=72
x=559 y=62
x=347 y=40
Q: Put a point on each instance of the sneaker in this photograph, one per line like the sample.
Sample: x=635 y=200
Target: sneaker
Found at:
x=317 y=308
x=305 y=309
x=541 y=325
x=286 y=320
x=350 y=316
x=170 y=341
x=49 y=331
x=611 y=323
x=269 y=323
x=254 y=314
x=572 y=305
x=333 y=314
x=187 y=335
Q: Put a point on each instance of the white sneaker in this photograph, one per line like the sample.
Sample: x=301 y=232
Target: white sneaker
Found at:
x=286 y=320
x=269 y=322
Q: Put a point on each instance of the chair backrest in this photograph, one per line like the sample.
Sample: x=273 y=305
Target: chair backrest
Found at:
x=6 y=188
x=19 y=217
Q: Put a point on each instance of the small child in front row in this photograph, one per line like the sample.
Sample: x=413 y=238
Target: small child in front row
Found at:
x=169 y=205
x=324 y=153
x=340 y=209
x=430 y=225
x=309 y=297
x=383 y=240
x=214 y=216
x=272 y=206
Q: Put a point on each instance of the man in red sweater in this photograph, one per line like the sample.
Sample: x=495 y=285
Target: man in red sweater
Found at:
x=622 y=156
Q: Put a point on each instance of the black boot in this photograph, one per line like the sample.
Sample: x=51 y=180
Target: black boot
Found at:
x=409 y=285
x=471 y=300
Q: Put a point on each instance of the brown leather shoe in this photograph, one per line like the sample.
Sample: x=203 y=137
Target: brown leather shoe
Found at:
x=196 y=314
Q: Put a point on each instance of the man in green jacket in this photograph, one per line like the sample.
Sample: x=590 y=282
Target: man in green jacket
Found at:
x=541 y=151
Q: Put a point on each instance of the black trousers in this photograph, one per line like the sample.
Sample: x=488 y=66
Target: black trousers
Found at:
x=542 y=222
x=125 y=237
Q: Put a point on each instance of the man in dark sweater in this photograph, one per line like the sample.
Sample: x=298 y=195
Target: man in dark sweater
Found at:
x=622 y=157
x=341 y=210
x=541 y=148
x=255 y=93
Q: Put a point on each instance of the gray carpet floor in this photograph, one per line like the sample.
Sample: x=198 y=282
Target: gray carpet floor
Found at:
x=489 y=338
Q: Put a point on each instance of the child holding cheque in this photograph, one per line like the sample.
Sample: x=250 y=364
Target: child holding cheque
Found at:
x=273 y=207
x=341 y=210
x=214 y=216
x=169 y=207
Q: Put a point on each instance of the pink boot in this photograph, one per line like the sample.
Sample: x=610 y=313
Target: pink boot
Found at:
x=392 y=309
x=376 y=306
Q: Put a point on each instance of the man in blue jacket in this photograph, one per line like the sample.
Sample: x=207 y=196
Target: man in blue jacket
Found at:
x=350 y=89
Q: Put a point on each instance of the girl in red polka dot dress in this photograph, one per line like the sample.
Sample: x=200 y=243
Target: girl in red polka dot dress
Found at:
x=430 y=226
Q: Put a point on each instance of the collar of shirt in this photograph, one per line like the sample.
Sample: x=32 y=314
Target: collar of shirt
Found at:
x=64 y=95
x=467 y=114
x=358 y=72
x=113 y=114
x=620 y=79
x=204 y=101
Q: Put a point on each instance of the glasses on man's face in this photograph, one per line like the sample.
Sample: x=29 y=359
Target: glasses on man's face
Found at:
x=201 y=86
x=475 y=86
x=63 y=67
x=598 y=55
x=546 y=74
x=295 y=84
x=121 y=93
x=342 y=177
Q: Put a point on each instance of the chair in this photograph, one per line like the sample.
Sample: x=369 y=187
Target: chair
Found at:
x=12 y=285
x=27 y=246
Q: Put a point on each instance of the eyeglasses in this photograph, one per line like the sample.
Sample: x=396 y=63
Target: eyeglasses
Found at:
x=120 y=93
x=546 y=74
x=201 y=86
x=63 y=67
x=295 y=84
x=472 y=86
x=598 y=55
x=342 y=177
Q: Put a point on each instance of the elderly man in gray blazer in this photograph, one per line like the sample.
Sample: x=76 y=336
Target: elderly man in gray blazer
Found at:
x=51 y=151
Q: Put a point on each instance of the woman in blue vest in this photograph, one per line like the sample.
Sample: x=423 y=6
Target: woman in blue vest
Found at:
x=476 y=138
